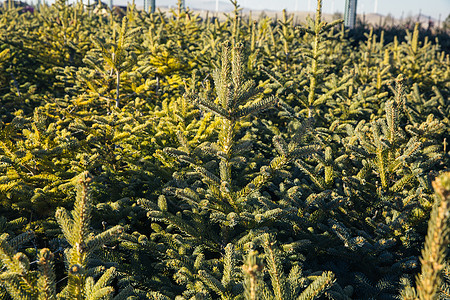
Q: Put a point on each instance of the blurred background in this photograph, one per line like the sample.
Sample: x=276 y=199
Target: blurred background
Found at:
x=396 y=8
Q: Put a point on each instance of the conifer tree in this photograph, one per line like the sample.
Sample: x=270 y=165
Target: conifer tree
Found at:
x=318 y=36
x=221 y=213
x=22 y=282
x=30 y=149
x=429 y=281
x=335 y=175
x=392 y=152
x=288 y=287
x=110 y=60
x=180 y=118
x=234 y=96
x=75 y=227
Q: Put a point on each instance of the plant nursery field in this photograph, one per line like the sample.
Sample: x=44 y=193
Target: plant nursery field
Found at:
x=171 y=156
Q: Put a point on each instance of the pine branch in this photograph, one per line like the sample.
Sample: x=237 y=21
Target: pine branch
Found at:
x=47 y=281
x=100 y=289
x=228 y=266
x=318 y=286
x=212 y=283
x=436 y=242
x=103 y=238
x=275 y=268
x=252 y=271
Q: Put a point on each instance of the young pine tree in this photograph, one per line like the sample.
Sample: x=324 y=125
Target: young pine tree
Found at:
x=22 y=281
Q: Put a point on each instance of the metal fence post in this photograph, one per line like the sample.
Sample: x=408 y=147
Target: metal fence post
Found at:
x=152 y=6
x=350 y=13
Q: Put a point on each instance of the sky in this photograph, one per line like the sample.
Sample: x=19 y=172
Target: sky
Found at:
x=397 y=8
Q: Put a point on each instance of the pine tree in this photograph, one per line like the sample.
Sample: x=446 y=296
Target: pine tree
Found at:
x=318 y=37
x=30 y=149
x=335 y=175
x=429 y=281
x=222 y=212
x=108 y=63
x=21 y=282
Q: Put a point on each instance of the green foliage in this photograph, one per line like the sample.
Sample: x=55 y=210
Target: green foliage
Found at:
x=108 y=64
x=429 y=281
x=22 y=282
x=232 y=157
x=29 y=149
